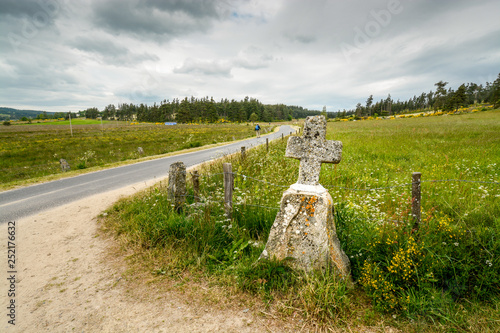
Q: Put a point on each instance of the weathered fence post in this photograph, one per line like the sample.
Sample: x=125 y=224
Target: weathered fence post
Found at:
x=64 y=165
x=228 y=189
x=196 y=185
x=176 y=192
x=416 y=196
x=267 y=144
x=243 y=152
x=282 y=136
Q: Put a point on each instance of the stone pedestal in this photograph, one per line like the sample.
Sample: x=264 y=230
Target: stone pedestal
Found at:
x=305 y=231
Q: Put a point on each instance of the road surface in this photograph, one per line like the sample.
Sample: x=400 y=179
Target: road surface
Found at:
x=36 y=198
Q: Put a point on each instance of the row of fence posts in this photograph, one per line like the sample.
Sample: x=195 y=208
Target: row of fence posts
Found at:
x=228 y=181
x=229 y=187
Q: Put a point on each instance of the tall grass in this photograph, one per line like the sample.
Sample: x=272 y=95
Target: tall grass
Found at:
x=30 y=151
x=444 y=275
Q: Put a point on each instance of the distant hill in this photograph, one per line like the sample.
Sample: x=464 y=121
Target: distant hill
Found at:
x=10 y=113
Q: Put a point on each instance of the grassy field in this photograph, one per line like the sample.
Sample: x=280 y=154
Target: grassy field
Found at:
x=34 y=150
x=76 y=121
x=445 y=276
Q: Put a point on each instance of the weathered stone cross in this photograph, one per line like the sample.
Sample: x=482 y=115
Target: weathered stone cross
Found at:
x=312 y=149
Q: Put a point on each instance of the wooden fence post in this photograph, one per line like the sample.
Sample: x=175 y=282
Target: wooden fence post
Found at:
x=176 y=191
x=267 y=144
x=243 y=152
x=228 y=189
x=282 y=136
x=196 y=185
x=416 y=196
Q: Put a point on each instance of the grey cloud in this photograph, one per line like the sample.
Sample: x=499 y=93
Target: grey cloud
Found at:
x=397 y=17
x=301 y=38
x=21 y=20
x=193 y=8
x=110 y=52
x=298 y=46
x=154 y=19
x=211 y=68
x=249 y=64
x=457 y=58
x=18 y=8
x=252 y=58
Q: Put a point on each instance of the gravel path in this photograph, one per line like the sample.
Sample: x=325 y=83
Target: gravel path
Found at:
x=67 y=281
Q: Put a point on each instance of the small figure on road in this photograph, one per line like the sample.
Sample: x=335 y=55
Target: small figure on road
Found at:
x=257 y=130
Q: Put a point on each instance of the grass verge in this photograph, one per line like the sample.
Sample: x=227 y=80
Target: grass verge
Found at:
x=443 y=277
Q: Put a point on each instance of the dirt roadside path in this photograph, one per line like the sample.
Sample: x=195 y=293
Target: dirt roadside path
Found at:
x=67 y=282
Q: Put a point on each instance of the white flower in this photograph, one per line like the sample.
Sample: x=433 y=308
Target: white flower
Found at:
x=456 y=244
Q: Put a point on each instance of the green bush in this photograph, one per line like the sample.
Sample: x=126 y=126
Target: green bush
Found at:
x=81 y=165
x=192 y=145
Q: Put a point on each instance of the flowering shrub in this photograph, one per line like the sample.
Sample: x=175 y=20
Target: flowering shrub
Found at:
x=403 y=269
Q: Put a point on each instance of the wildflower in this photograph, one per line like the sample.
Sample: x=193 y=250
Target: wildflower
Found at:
x=456 y=244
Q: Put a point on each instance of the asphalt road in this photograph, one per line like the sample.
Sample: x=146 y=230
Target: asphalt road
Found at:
x=36 y=198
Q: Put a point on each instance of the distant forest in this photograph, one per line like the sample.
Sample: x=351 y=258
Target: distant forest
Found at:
x=206 y=110
x=444 y=98
x=10 y=113
x=194 y=110
x=250 y=109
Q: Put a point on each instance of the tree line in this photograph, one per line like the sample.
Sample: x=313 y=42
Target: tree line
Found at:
x=443 y=98
x=200 y=110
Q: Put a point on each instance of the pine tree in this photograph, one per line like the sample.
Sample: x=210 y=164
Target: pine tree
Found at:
x=184 y=112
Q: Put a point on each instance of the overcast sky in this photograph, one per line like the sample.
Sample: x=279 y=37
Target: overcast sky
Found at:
x=61 y=55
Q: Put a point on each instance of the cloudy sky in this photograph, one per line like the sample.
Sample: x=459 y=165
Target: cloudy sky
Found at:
x=62 y=55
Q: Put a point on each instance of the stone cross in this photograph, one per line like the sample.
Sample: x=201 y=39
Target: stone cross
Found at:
x=304 y=229
x=312 y=149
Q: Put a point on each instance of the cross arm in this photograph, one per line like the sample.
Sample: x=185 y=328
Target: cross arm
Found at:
x=295 y=147
x=330 y=151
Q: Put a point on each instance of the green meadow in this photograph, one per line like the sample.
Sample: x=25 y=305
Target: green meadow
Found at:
x=442 y=276
x=76 y=121
x=29 y=151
